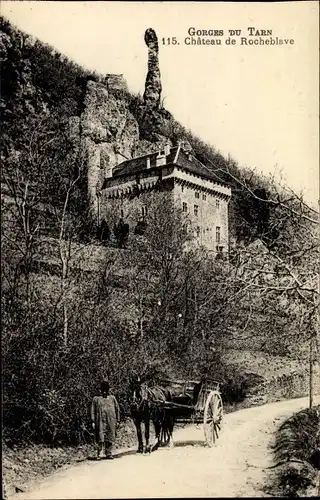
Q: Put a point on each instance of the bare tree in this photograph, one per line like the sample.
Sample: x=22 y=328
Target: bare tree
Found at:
x=288 y=230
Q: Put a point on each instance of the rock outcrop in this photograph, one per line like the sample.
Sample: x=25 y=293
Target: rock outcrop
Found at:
x=153 y=120
x=108 y=131
x=153 y=87
x=109 y=134
x=116 y=83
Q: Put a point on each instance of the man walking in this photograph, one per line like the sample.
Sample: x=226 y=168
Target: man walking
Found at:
x=105 y=416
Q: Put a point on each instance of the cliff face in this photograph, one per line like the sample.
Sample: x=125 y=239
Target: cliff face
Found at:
x=108 y=131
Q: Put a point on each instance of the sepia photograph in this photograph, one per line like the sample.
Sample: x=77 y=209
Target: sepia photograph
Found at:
x=160 y=249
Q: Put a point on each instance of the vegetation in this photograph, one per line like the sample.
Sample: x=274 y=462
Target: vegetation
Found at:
x=157 y=304
x=296 y=454
x=64 y=332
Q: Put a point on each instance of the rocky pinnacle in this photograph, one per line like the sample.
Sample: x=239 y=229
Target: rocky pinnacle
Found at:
x=153 y=86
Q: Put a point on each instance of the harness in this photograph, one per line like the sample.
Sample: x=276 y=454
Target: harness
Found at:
x=150 y=398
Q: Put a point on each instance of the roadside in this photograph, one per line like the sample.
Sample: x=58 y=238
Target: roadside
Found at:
x=30 y=464
x=237 y=466
x=23 y=466
x=297 y=455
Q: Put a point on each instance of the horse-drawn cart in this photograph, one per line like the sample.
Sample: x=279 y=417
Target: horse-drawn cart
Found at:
x=197 y=402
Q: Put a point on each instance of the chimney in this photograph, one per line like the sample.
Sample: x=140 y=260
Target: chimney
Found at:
x=167 y=149
x=161 y=159
x=148 y=162
x=108 y=172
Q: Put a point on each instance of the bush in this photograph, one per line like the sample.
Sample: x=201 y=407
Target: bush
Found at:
x=238 y=385
x=297 y=440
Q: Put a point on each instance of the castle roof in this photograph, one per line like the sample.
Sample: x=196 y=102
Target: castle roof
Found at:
x=139 y=164
x=175 y=156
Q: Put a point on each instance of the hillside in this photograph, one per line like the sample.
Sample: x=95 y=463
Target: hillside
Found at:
x=42 y=89
x=77 y=308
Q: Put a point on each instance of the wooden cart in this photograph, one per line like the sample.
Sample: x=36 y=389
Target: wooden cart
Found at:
x=197 y=402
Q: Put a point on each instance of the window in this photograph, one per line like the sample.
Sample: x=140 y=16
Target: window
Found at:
x=198 y=231
x=217 y=204
x=196 y=210
x=121 y=214
x=144 y=212
x=204 y=197
x=197 y=195
x=218 y=235
x=184 y=207
x=182 y=189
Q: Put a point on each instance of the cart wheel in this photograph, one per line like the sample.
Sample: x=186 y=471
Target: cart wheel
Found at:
x=212 y=419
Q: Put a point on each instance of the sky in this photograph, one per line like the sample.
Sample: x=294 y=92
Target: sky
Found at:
x=258 y=103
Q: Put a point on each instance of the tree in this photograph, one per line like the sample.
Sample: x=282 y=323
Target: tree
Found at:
x=175 y=294
x=288 y=230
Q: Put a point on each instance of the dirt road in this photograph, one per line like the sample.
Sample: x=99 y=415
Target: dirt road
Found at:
x=235 y=467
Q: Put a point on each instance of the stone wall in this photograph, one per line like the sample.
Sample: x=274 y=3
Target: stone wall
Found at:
x=285 y=386
x=212 y=212
x=132 y=209
x=206 y=210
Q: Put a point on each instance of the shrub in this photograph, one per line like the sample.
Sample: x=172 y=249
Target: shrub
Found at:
x=297 y=440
